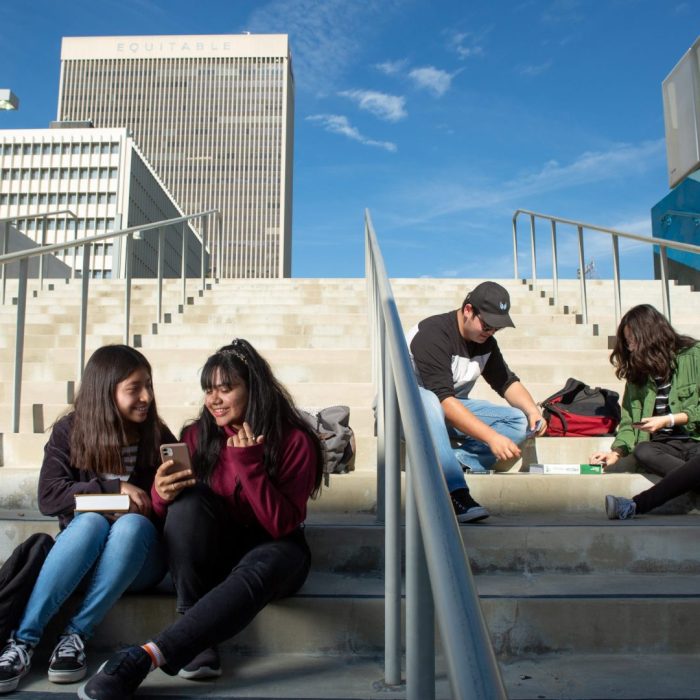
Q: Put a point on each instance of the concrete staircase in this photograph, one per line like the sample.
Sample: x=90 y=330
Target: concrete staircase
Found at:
x=577 y=606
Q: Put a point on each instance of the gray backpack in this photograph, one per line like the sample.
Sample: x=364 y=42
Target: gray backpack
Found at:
x=332 y=425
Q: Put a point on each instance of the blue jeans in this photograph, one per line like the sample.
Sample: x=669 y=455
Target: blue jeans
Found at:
x=468 y=452
x=111 y=557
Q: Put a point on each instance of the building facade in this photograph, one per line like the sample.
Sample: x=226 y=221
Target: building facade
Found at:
x=89 y=181
x=214 y=115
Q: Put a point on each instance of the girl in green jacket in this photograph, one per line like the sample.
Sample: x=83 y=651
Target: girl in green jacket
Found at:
x=660 y=425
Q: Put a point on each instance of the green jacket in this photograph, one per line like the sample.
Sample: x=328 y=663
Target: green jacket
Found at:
x=684 y=397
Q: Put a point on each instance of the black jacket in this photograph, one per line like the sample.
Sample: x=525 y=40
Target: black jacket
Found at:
x=17 y=578
x=60 y=479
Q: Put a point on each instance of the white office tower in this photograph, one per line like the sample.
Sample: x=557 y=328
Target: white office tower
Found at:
x=81 y=182
x=214 y=115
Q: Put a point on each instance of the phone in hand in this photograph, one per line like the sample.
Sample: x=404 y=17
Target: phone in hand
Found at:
x=538 y=426
x=638 y=424
x=178 y=452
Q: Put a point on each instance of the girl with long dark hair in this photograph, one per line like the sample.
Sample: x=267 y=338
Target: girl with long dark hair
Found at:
x=660 y=426
x=108 y=444
x=235 y=539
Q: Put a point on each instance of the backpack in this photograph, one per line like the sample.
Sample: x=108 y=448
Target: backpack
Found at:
x=332 y=425
x=17 y=578
x=579 y=410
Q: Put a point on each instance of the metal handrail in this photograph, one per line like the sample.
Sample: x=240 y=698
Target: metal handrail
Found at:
x=5 y=221
x=435 y=556
x=23 y=257
x=615 y=234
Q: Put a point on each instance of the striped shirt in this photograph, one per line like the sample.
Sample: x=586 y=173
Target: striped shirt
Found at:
x=129 y=455
x=661 y=408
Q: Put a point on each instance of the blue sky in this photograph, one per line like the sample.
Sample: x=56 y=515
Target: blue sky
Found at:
x=440 y=117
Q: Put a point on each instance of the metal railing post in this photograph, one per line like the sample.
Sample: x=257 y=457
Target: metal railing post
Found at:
x=582 y=276
x=392 y=529
x=420 y=612
x=19 y=342
x=84 y=285
x=515 y=246
x=616 y=279
x=183 y=258
x=161 y=256
x=533 y=249
x=663 y=255
x=4 y=246
x=127 y=287
x=381 y=428
x=555 y=266
x=44 y=224
x=204 y=254
x=220 y=248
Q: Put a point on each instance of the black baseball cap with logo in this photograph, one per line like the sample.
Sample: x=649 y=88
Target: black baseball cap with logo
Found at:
x=492 y=301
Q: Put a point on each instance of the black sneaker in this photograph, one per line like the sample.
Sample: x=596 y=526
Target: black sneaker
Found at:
x=68 y=662
x=204 y=665
x=119 y=677
x=466 y=508
x=15 y=662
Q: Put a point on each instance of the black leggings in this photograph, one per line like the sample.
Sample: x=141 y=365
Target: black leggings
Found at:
x=224 y=573
x=681 y=479
x=665 y=455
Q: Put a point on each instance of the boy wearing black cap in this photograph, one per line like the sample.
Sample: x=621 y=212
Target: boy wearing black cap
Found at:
x=449 y=352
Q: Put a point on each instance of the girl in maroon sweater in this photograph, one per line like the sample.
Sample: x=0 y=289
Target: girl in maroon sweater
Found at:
x=233 y=527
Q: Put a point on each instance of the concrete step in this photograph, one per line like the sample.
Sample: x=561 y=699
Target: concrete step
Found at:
x=502 y=493
x=38 y=418
x=524 y=543
x=289 y=365
x=188 y=393
x=26 y=450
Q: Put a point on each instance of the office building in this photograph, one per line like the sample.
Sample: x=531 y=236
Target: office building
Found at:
x=91 y=181
x=214 y=115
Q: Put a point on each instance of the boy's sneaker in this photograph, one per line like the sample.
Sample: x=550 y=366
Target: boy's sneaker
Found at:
x=68 y=662
x=204 y=665
x=619 y=508
x=119 y=677
x=15 y=662
x=466 y=508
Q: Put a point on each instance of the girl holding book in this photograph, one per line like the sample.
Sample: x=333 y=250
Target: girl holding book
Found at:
x=108 y=444
x=660 y=426
x=235 y=539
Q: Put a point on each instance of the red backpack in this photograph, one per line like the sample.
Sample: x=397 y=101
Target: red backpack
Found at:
x=579 y=410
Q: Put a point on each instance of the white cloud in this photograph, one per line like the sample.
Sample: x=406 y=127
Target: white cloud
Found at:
x=392 y=67
x=325 y=37
x=339 y=124
x=444 y=198
x=388 y=107
x=535 y=69
x=467 y=44
x=432 y=79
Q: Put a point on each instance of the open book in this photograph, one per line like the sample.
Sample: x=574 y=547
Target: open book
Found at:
x=102 y=502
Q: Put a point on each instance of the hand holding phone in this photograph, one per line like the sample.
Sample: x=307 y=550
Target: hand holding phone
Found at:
x=175 y=473
x=534 y=431
x=178 y=453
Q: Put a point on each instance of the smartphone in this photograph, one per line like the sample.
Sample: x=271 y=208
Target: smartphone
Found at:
x=178 y=452
x=536 y=429
x=638 y=424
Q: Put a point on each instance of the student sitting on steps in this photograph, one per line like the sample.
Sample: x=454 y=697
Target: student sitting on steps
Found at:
x=235 y=539
x=108 y=444
x=660 y=426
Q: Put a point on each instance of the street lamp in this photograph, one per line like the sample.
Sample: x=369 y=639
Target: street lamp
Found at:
x=8 y=100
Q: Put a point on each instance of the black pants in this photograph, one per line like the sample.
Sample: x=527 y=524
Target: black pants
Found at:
x=684 y=478
x=665 y=455
x=224 y=573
